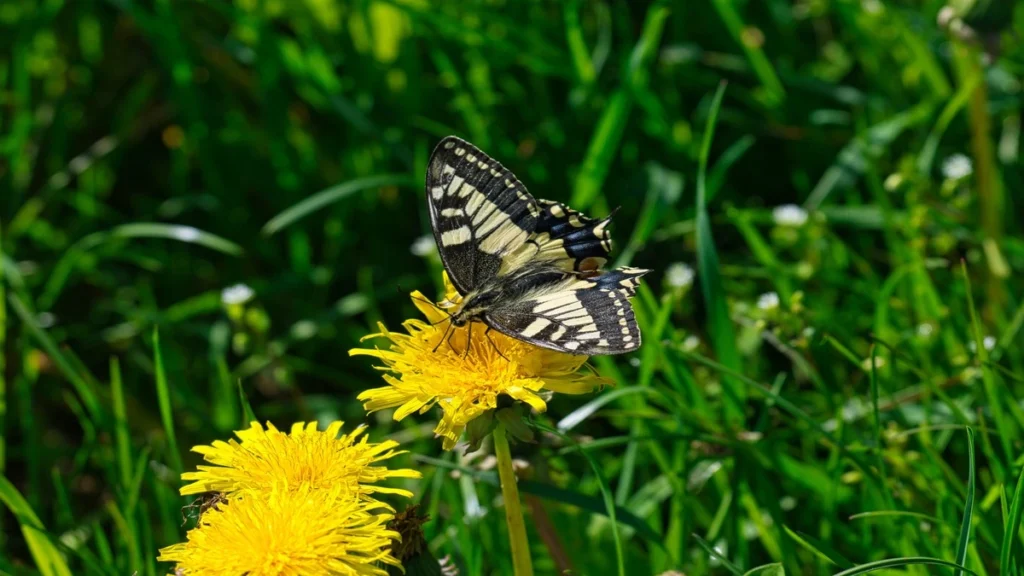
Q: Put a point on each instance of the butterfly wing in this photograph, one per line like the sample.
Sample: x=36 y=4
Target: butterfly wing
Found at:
x=585 y=241
x=480 y=212
x=576 y=315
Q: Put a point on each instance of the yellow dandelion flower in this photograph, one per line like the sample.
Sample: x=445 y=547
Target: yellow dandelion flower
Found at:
x=430 y=365
x=288 y=533
x=265 y=458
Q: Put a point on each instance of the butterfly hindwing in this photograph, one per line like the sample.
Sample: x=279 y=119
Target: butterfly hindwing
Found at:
x=576 y=315
x=479 y=210
x=585 y=241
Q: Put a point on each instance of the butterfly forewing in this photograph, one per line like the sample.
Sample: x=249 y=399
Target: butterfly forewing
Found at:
x=480 y=212
x=577 y=315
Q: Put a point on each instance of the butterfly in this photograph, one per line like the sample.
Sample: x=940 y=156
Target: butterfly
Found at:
x=528 y=268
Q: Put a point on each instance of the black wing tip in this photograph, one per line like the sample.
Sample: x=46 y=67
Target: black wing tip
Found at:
x=453 y=140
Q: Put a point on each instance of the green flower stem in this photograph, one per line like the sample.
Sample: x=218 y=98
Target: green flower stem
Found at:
x=513 y=509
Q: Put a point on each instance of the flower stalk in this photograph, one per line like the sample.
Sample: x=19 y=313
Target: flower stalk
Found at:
x=513 y=508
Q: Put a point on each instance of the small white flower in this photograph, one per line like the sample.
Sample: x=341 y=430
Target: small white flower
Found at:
x=879 y=362
x=679 y=275
x=423 y=246
x=957 y=166
x=750 y=530
x=768 y=301
x=989 y=342
x=787 y=503
x=789 y=215
x=925 y=330
x=237 y=294
x=691 y=343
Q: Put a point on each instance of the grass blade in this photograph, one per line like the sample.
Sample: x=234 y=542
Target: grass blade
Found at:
x=3 y=358
x=990 y=382
x=1012 y=526
x=124 y=455
x=722 y=333
x=48 y=559
x=965 y=525
x=186 y=234
x=818 y=548
x=333 y=194
x=609 y=502
x=587 y=410
x=81 y=386
x=714 y=554
x=897 y=562
x=164 y=398
x=612 y=124
x=556 y=494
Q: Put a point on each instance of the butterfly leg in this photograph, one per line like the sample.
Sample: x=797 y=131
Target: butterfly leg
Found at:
x=443 y=339
x=449 y=339
x=469 y=341
x=487 y=334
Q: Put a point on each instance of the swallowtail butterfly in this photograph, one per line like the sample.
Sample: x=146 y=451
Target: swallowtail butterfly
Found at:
x=528 y=268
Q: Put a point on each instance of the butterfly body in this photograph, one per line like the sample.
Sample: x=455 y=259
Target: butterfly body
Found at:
x=528 y=268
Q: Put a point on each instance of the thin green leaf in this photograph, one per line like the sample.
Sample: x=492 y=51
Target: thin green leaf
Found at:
x=965 y=525
x=1012 y=527
x=818 y=548
x=163 y=394
x=585 y=411
x=722 y=332
x=333 y=194
x=559 y=495
x=80 y=384
x=247 y=412
x=609 y=502
x=47 y=557
x=775 y=569
x=897 y=562
x=714 y=554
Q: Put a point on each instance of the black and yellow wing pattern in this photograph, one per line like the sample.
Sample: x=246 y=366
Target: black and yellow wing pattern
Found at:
x=519 y=255
x=576 y=315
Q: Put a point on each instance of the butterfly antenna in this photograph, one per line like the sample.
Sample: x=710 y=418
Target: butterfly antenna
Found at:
x=448 y=315
x=487 y=334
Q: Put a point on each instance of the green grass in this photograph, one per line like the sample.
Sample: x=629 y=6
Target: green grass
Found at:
x=835 y=397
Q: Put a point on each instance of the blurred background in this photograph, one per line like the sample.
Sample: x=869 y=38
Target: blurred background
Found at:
x=202 y=201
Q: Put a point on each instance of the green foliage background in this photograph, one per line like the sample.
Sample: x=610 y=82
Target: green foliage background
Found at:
x=146 y=148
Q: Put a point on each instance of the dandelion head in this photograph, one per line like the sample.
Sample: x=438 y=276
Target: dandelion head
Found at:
x=265 y=458
x=463 y=371
x=288 y=532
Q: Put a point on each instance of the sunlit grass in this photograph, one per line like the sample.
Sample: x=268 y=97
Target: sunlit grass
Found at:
x=204 y=205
